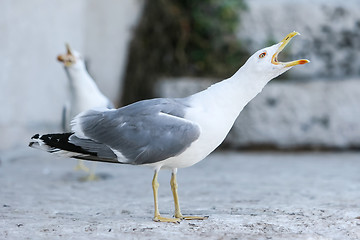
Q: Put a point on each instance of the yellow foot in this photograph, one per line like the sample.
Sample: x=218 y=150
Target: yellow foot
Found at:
x=192 y=217
x=81 y=167
x=89 y=178
x=164 y=219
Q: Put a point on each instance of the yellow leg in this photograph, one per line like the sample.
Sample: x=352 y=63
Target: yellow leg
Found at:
x=92 y=176
x=174 y=187
x=81 y=166
x=157 y=217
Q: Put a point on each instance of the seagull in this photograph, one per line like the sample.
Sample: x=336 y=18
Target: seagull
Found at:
x=168 y=133
x=84 y=94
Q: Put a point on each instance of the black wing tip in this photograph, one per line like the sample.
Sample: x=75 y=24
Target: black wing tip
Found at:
x=36 y=136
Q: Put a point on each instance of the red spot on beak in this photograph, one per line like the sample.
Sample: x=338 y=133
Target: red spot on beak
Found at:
x=303 y=61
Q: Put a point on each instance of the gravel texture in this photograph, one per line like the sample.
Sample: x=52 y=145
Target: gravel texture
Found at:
x=246 y=195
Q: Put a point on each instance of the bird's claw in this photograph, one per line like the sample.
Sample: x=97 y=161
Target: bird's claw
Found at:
x=193 y=217
x=165 y=219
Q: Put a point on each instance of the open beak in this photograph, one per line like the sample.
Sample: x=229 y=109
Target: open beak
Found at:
x=284 y=42
x=68 y=59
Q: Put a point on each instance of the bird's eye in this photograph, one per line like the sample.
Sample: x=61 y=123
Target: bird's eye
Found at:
x=262 y=55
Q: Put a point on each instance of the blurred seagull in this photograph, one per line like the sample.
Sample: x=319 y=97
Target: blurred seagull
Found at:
x=84 y=95
x=169 y=133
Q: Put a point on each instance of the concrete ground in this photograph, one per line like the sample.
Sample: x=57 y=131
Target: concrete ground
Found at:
x=246 y=195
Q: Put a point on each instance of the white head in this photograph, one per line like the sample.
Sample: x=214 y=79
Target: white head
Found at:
x=71 y=59
x=265 y=61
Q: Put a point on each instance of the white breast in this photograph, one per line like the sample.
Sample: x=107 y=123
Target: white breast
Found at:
x=215 y=120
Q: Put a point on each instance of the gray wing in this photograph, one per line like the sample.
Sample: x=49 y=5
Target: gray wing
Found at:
x=144 y=132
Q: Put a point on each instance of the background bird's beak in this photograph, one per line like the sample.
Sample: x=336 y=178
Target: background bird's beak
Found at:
x=68 y=59
x=284 y=42
x=61 y=58
x=68 y=49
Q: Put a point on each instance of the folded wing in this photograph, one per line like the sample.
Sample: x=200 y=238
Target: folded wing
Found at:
x=141 y=133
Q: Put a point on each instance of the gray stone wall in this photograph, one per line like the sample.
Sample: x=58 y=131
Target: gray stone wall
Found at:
x=316 y=106
x=311 y=115
x=330 y=34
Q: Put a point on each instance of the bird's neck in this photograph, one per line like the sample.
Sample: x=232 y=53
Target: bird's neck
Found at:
x=80 y=81
x=216 y=108
x=233 y=94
